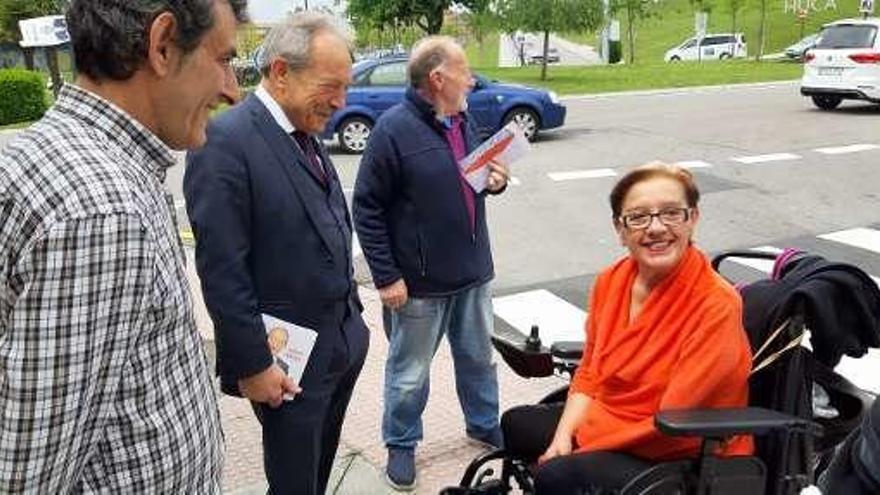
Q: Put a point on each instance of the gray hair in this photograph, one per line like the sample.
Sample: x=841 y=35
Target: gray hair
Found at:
x=110 y=38
x=428 y=54
x=291 y=40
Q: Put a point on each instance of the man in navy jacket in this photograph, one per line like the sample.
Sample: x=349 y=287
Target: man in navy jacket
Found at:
x=273 y=236
x=423 y=231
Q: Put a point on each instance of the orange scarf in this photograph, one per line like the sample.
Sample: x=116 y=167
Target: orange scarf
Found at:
x=686 y=349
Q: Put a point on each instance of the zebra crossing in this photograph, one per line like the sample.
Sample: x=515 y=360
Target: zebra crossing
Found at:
x=557 y=307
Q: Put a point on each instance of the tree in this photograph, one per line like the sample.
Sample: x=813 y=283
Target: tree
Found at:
x=545 y=16
x=735 y=7
x=12 y=11
x=636 y=10
x=481 y=20
x=380 y=14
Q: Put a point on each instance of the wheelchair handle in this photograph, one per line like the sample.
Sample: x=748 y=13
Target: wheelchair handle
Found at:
x=759 y=255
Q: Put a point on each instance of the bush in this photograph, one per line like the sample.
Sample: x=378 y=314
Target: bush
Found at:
x=22 y=96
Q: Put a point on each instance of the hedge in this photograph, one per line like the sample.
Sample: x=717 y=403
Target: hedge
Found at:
x=23 y=96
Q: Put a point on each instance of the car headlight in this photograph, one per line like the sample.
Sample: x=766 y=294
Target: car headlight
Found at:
x=554 y=98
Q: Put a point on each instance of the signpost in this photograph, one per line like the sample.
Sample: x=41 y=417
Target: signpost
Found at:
x=701 y=20
x=866 y=7
x=48 y=32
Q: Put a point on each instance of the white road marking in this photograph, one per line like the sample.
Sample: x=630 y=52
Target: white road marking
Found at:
x=863 y=238
x=582 y=174
x=774 y=157
x=557 y=319
x=853 y=148
x=763 y=266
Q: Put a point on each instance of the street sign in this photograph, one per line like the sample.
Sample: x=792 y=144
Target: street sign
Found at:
x=866 y=7
x=43 y=31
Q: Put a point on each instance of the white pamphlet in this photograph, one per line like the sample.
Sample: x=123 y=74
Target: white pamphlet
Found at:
x=291 y=345
x=505 y=146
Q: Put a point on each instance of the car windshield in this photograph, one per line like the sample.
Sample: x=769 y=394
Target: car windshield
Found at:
x=847 y=36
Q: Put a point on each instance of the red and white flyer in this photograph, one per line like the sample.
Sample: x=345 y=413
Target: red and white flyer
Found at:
x=505 y=146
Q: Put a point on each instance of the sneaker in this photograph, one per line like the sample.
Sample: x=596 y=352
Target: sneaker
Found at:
x=400 y=472
x=493 y=438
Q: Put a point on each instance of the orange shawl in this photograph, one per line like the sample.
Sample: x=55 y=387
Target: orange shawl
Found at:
x=686 y=349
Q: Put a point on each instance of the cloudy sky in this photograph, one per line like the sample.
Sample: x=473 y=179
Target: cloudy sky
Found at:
x=273 y=10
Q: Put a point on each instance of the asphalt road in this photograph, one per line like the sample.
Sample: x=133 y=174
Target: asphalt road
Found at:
x=773 y=171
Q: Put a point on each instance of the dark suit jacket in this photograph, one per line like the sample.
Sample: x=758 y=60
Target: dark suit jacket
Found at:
x=270 y=238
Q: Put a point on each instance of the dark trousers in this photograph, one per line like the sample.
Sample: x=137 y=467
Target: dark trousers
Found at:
x=528 y=431
x=301 y=436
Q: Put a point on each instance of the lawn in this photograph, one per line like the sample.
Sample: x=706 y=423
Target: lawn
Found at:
x=674 y=23
x=603 y=79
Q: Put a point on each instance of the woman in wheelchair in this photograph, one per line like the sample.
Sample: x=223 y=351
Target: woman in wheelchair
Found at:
x=664 y=332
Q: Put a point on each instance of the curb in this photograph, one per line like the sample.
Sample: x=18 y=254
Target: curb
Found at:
x=683 y=90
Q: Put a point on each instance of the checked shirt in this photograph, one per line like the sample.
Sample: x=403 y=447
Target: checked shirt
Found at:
x=104 y=384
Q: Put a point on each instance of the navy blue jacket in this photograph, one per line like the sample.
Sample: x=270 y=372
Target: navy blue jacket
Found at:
x=269 y=239
x=410 y=216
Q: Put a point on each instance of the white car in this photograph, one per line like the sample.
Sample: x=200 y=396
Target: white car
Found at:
x=844 y=64
x=710 y=47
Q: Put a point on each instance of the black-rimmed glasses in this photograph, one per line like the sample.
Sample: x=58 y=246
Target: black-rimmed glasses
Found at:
x=671 y=217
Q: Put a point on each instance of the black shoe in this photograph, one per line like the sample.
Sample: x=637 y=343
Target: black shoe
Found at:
x=400 y=472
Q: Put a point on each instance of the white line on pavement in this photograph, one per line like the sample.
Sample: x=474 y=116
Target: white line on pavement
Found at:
x=863 y=238
x=773 y=157
x=582 y=174
x=557 y=319
x=763 y=266
x=514 y=181
x=694 y=164
x=853 y=148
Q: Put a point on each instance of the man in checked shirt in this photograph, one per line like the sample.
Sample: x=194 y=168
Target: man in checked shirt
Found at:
x=104 y=385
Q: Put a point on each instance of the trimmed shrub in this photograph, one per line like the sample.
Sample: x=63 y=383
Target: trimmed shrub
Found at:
x=22 y=96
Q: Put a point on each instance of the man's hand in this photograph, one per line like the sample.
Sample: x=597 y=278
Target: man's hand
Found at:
x=268 y=386
x=561 y=445
x=394 y=295
x=498 y=174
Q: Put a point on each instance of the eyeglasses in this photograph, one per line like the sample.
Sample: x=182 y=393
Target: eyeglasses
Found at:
x=671 y=217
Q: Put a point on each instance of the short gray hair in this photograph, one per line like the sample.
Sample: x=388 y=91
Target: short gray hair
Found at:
x=428 y=54
x=292 y=40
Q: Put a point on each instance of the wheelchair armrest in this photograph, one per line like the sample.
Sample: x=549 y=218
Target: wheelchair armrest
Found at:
x=525 y=362
x=722 y=423
x=568 y=350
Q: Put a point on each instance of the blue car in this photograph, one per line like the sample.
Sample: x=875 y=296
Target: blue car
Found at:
x=379 y=84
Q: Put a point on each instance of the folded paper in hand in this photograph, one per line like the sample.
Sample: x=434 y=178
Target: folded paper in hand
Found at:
x=505 y=146
x=291 y=345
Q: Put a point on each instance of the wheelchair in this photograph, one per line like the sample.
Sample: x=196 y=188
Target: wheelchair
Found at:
x=794 y=439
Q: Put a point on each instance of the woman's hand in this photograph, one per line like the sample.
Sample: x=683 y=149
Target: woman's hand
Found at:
x=561 y=445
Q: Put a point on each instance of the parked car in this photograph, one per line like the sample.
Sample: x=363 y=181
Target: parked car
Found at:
x=379 y=84
x=799 y=49
x=709 y=47
x=537 y=56
x=844 y=64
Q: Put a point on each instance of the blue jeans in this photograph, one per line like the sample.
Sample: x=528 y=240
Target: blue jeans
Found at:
x=414 y=333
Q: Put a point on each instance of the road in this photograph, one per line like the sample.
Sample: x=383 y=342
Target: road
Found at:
x=773 y=171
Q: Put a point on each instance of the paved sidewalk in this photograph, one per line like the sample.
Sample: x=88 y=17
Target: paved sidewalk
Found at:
x=440 y=459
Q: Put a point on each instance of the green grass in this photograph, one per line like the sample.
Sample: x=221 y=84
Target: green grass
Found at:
x=485 y=55
x=675 y=23
x=603 y=79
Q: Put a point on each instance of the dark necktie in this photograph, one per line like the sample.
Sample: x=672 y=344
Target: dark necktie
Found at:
x=308 y=149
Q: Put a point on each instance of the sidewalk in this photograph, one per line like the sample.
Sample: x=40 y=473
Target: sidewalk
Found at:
x=359 y=469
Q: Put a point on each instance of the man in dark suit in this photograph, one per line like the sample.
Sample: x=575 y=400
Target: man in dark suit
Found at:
x=273 y=235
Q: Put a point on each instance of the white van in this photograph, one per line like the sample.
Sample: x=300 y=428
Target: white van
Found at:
x=844 y=64
x=710 y=47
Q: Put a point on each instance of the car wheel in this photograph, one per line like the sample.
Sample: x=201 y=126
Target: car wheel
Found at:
x=826 y=102
x=353 y=134
x=527 y=119
x=724 y=56
x=675 y=58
